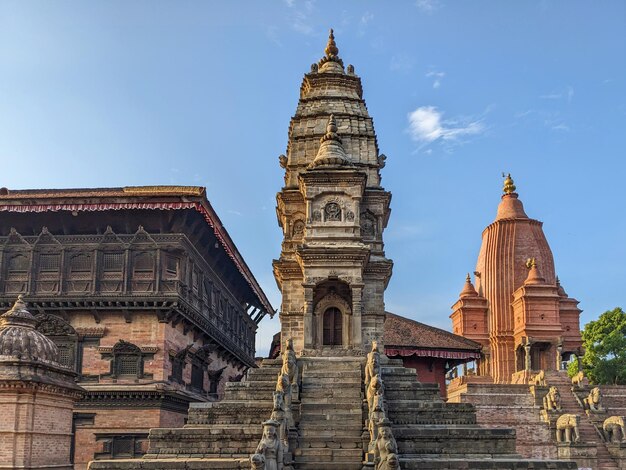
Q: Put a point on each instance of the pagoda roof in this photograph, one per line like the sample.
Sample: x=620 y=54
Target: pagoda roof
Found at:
x=133 y=198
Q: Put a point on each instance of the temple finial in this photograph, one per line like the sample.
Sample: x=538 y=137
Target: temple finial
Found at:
x=331 y=49
x=331 y=62
x=468 y=288
x=509 y=187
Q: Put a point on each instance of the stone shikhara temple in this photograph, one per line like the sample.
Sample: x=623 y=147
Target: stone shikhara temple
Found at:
x=333 y=399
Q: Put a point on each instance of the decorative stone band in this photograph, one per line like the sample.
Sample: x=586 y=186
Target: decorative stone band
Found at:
x=440 y=353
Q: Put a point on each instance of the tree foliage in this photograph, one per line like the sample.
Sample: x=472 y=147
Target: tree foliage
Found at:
x=604 y=341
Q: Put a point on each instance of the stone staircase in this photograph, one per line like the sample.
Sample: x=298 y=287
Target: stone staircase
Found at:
x=331 y=427
x=218 y=435
x=433 y=435
x=588 y=432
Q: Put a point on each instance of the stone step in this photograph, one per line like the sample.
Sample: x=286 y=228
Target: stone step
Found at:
x=325 y=454
x=408 y=462
x=315 y=465
x=171 y=464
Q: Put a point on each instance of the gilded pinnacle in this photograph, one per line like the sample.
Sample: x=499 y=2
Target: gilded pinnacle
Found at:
x=331 y=48
x=509 y=187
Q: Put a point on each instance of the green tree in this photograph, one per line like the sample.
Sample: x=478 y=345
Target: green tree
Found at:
x=604 y=341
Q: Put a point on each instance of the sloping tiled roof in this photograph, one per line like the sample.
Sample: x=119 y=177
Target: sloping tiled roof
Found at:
x=404 y=332
x=132 y=197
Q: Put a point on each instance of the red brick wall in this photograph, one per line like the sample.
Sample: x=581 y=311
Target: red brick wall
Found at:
x=35 y=428
x=427 y=371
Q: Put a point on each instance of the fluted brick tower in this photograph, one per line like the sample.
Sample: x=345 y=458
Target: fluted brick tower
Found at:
x=332 y=269
x=518 y=310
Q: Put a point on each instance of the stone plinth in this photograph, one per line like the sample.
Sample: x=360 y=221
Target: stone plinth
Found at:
x=584 y=454
x=618 y=452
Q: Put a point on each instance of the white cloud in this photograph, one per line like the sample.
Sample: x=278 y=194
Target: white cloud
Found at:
x=366 y=18
x=290 y=3
x=426 y=126
x=567 y=94
x=427 y=5
x=437 y=77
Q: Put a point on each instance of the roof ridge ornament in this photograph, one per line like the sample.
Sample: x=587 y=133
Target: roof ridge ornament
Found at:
x=331 y=61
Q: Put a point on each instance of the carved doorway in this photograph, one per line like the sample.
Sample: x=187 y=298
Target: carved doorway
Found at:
x=333 y=327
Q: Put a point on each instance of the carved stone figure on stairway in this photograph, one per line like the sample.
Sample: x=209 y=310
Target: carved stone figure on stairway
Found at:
x=290 y=363
x=374 y=388
x=577 y=380
x=386 y=449
x=552 y=400
x=566 y=425
x=270 y=447
x=539 y=379
x=612 y=427
x=372 y=367
x=376 y=414
x=257 y=462
x=593 y=401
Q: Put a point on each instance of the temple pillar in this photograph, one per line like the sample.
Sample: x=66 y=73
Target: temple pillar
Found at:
x=559 y=352
x=357 y=339
x=527 y=357
x=308 y=317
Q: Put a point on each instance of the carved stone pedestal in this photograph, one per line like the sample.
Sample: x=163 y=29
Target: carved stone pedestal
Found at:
x=585 y=455
x=618 y=452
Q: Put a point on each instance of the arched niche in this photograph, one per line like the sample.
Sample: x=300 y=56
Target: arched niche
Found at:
x=332 y=321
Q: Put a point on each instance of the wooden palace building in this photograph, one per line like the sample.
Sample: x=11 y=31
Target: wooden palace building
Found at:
x=144 y=294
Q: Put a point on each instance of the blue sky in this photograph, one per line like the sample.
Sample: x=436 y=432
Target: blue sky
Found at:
x=128 y=93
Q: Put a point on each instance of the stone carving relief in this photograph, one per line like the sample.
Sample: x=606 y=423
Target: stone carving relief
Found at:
x=612 y=427
x=386 y=448
x=269 y=452
x=298 y=229
x=332 y=300
x=51 y=325
x=332 y=212
x=567 y=427
x=350 y=216
x=368 y=225
x=316 y=216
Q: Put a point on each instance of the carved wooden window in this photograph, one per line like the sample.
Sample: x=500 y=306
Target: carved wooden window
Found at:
x=127 y=360
x=80 y=264
x=112 y=261
x=332 y=211
x=171 y=267
x=49 y=262
x=298 y=229
x=143 y=265
x=197 y=376
x=332 y=327
x=122 y=447
x=18 y=264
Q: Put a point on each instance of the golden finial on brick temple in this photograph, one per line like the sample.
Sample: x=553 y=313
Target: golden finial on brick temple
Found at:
x=331 y=48
x=509 y=187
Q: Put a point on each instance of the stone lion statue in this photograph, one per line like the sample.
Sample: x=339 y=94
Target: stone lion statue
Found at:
x=593 y=401
x=374 y=388
x=566 y=426
x=612 y=427
x=257 y=462
x=577 y=380
x=539 y=378
x=290 y=363
x=552 y=400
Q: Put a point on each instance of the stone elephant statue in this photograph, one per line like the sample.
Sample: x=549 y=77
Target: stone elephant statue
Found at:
x=567 y=427
x=552 y=400
x=612 y=427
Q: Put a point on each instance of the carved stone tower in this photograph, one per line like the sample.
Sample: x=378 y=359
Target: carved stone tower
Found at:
x=332 y=269
x=518 y=311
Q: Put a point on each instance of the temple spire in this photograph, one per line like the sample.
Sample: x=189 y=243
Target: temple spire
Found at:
x=534 y=276
x=331 y=61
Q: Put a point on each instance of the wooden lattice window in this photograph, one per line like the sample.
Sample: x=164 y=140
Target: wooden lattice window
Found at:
x=18 y=264
x=112 y=261
x=143 y=265
x=122 y=446
x=171 y=267
x=80 y=263
x=127 y=360
x=49 y=262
